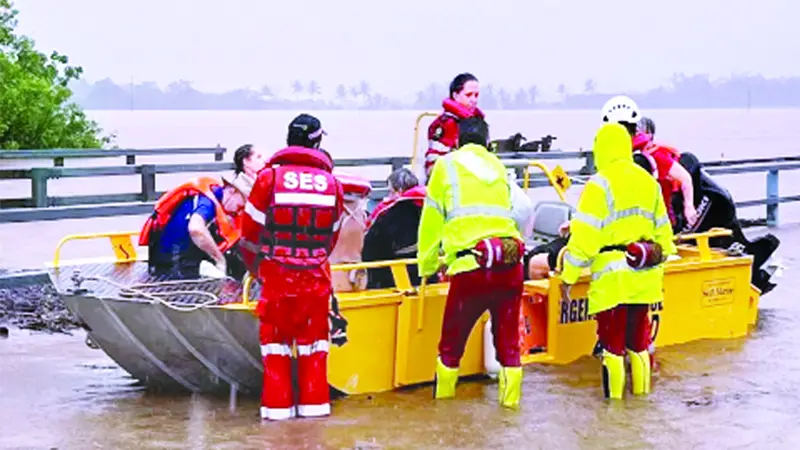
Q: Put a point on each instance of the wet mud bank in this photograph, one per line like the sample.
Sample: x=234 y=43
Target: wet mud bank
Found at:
x=34 y=307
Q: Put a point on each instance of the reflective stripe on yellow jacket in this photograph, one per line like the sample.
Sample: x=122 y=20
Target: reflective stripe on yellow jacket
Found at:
x=622 y=203
x=468 y=199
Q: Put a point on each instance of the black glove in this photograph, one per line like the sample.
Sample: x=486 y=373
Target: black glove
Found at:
x=338 y=324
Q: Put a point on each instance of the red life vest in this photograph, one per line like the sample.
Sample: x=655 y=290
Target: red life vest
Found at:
x=667 y=182
x=443 y=131
x=415 y=194
x=166 y=205
x=354 y=186
x=653 y=147
x=302 y=214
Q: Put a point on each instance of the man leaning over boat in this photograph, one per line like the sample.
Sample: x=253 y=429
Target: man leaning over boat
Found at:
x=290 y=227
x=194 y=223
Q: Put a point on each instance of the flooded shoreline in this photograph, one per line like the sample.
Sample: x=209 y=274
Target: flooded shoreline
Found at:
x=35 y=307
x=59 y=393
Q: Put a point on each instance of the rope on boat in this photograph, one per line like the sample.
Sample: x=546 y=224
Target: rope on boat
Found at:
x=156 y=297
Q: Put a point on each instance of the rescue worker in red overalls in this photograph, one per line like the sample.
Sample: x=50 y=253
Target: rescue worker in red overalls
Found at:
x=289 y=230
x=443 y=131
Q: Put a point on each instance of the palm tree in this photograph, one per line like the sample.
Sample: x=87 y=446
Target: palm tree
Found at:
x=364 y=88
x=341 y=92
x=297 y=88
x=533 y=94
x=562 y=91
x=313 y=88
x=589 y=86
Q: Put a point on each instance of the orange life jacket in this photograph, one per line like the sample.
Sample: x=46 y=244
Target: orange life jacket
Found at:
x=166 y=205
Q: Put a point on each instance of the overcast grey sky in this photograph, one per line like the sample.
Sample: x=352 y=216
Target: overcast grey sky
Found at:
x=401 y=46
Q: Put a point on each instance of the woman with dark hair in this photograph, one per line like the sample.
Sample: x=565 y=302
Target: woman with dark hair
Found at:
x=443 y=131
x=248 y=160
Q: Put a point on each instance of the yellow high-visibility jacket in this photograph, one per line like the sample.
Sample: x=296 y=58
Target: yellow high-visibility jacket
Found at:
x=468 y=199
x=620 y=204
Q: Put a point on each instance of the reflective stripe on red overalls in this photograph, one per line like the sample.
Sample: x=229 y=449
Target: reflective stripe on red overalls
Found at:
x=290 y=227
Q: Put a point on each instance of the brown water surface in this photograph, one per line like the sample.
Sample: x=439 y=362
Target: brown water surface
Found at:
x=57 y=392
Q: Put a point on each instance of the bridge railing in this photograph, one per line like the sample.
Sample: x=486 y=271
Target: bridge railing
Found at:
x=59 y=155
x=43 y=205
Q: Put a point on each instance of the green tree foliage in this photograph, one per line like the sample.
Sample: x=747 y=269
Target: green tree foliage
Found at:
x=35 y=107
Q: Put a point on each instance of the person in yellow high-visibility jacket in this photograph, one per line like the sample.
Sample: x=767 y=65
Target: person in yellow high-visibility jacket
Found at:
x=468 y=212
x=622 y=232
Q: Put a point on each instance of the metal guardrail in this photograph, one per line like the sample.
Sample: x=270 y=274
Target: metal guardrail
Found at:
x=43 y=206
x=58 y=155
x=772 y=167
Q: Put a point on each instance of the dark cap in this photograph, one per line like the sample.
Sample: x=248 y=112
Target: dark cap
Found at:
x=306 y=126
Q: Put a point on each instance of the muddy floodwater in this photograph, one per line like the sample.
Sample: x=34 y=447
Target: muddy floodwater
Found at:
x=57 y=392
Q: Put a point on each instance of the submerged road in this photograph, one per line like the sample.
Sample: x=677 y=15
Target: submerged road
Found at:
x=742 y=393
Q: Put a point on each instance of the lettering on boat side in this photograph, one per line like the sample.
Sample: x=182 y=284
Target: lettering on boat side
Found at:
x=577 y=310
x=718 y=292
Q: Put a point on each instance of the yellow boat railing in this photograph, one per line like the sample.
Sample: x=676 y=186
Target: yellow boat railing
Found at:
x=417 y=124
x=702 y=240
x=397 y=266
x=399 y=272
x=559 y=180
x=124 y=250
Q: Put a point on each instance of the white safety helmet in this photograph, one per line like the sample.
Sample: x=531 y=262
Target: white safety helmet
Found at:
x=621 y=109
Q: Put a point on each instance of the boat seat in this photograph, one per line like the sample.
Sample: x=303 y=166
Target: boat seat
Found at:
x=547 y=217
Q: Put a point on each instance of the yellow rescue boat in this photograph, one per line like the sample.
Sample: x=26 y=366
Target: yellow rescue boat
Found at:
x=202 y=336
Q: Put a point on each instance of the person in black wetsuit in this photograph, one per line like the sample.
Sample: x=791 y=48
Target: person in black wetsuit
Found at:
x=543 y=259
x=716 y=209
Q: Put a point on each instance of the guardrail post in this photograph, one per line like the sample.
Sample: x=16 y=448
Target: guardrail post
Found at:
x=772 y=198
x=397 y=163
x=519 y=172
x=130 y=159
x=588 y=168
x=219 y=153
x=58 y=161
x=148 y=182
x=39 y=187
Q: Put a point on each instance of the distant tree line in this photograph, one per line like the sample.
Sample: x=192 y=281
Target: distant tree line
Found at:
x=683 y=91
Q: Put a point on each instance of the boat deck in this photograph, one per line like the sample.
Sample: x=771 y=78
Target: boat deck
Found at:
x=131 y=280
